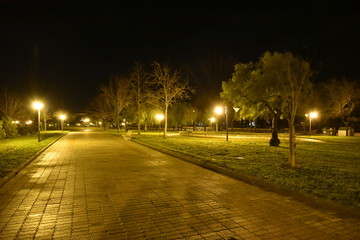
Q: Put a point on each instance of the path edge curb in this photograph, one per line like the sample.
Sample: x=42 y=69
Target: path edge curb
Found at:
x=313 y=201
x=15 y=172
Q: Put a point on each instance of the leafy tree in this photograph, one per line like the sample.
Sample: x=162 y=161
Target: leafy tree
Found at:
x=291 y=77
x=255 y=95
x=9 y=127
x=182 y=114
x=278 y=82
x=118 y=92
x=2 y=130
x=341 y=99
x=169 y=88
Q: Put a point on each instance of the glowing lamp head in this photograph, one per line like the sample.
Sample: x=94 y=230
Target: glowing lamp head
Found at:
x=86 y=120
x=38 y=105
x=212 y=119
x=218 y=110
x=62 y=117
x=159 y=117
x=313 y=115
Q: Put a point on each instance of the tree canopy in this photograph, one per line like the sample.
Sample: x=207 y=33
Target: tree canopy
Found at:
x=277 y=84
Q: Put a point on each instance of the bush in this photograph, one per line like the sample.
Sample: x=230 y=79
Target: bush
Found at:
x=2 y=131
x=23 y=130
x=10 y=128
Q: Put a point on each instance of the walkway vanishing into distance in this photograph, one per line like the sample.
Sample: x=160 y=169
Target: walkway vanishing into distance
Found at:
x=91 y=185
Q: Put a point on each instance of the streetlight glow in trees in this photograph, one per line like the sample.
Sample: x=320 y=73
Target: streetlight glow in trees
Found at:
x=86 y=121
x=38 y=106
x=159 y=117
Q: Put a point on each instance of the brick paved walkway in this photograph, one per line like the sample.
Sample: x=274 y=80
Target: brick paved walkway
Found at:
x=97 y=186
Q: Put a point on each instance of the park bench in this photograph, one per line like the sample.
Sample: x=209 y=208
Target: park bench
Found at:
x=128 y=136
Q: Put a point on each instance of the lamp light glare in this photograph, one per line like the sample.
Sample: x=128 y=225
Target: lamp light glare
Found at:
x=38 y=105
x=313 y=115
x=159 y=117
x=218 y=110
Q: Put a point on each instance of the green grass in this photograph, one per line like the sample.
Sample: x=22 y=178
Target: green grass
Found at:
x=15 y=151
x=328 y=169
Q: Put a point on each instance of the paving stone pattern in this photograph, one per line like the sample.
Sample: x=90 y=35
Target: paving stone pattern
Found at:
x=92 y=185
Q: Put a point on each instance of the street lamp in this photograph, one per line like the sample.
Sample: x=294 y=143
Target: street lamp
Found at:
x=212 y=119
x=226 y=123
x=218 y=111
x=311 y=116
x=62 y=118
x=38 y=106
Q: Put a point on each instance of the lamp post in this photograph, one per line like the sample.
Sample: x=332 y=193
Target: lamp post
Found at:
x=311 y=116
x=218 y=111
x=226 y=123
x=38 y=106
x=193 y=120
x=62 y=118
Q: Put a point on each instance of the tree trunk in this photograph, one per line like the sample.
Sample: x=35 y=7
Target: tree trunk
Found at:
x=347 y=128
x=346 y=124
x=292 y=145
x=165 y=120
x=118 y=123
x=139 y=123
x=274 y=141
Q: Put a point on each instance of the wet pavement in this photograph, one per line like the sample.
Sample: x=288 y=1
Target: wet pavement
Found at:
x=91 y=185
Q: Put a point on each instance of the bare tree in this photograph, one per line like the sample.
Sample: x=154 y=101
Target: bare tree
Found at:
x=341 y=99
x=141 y=89
x=100 y=107
x=118 y=93
x=46 y=115
x=10 y=105
x=169 y=88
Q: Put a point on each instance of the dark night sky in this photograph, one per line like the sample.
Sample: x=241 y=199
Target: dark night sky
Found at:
x=62 y=51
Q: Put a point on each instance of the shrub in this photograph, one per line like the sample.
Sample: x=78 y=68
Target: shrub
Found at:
x=2 y=131
x=23 y=130
x=10 y=128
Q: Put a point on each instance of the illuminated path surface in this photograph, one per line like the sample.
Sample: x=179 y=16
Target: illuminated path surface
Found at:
x=97 y=186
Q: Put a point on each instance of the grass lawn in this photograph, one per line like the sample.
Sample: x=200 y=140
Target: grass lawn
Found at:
x=329 y=168
x=15 y=151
